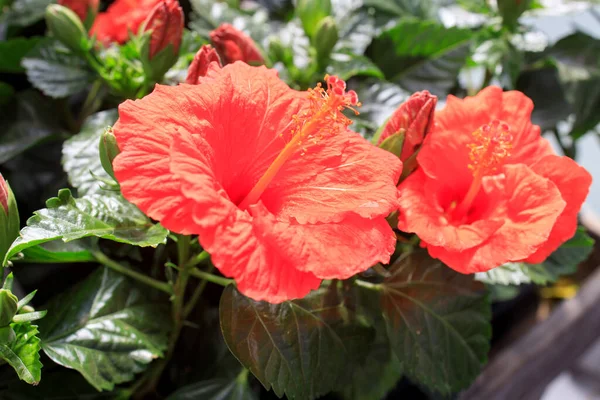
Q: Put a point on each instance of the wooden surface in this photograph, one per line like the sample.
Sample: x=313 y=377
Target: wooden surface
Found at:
x=522 y=371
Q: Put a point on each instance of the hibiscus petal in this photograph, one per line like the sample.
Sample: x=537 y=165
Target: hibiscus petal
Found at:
x=529 y=204
x=422 y=213
x=574 y=182
x=341 y=175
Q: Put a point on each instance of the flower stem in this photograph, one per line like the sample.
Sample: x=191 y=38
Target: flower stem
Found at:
x=199 y=259
x=211 y=278
x=115 y=266
x=368 y=285
x=189 y=307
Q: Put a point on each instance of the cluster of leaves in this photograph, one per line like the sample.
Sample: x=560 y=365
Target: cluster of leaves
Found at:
x=123 y=329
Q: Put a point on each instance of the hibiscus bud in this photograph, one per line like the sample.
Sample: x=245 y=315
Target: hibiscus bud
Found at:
x=162 y=33
x=311 y=12
x=109 y=150
x=326 y=36
x=511 y=10
x=86 y=10
x=8 y=307
x=234 y=45
x=9 y=217
x=66 y=26
x=202 y=63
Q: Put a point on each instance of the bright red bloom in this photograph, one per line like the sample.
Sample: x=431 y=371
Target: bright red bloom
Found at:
x=81 y=7
x=415 y=118
x=280 y=192
x=204 y=59
x=122 y=17
x=234 y=45
x=489 y=189
x=165 y=23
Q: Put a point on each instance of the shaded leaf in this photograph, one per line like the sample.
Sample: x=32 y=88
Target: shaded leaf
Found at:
x=25 y=122
x=23 y=352
x=81 y=158
x=107 y=216
x=302 y=348
x=347 y=65
x=25 y=12
x=6 y=93
x=57 y=252
x=438 y=322
x=216 y=389
x=107 y=328
x=54 y=70
x=13 y=51
x=420 y=55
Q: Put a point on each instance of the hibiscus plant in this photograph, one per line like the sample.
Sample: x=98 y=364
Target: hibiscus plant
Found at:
x=308 y=198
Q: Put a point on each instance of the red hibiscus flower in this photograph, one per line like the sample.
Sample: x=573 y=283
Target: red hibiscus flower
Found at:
x=279 y=191
x=234 y=45
x=489 y=189
x=122 y=17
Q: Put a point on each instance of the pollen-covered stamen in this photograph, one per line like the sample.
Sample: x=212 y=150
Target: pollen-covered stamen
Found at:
x=491 y=146
x=323 y=117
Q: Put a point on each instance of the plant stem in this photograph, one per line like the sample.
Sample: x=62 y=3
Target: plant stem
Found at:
x=115 y=266
x=569 y=151
x=90 y=104
x=189 y=307
x=211 y=278
x=368 y=285
x=199 y=259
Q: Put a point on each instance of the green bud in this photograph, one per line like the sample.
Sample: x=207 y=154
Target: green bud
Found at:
x=9 y=221
x=8 y=307
x=511 y=10
x=108 y=151
x=326 y=37
x=311 y=12
x=66 y=26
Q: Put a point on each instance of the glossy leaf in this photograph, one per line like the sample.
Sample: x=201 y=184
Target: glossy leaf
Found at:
x=25 y=122
x=107 y=328
x=563 y=261
x=81 y=158
x=302 y=348
x=57 y=252
x=13 y=51
x=420 y=55
x=23 y=352
x=51 y=68
x=107 y=216
x=438 y=322
x=216 y=389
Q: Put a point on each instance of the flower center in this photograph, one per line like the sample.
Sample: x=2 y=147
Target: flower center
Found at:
x=323 y=117
x=490 y=147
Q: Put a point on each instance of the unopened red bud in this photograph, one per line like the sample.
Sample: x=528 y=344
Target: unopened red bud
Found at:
x=234 y=45
x=413 y=120
x=201 y=64
x=165 y=23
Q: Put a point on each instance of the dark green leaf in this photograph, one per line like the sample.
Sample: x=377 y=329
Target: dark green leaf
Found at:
x=57 y=252
x=302 y=348
x=420 y=55
x=586 y=104
x=6 y=93
x=25 y=122
x=217 y=389
x=25 y=12
x=578 y=50
x=357 y=29
x=23 y=352
x=437 y=322
x=13 y=51
x=54 y=70
x=346 y=66
x=107 y=216
x=107 y=328
x=563 y=261
x=81 y=158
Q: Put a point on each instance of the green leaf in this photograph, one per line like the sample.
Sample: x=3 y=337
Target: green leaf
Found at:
x=108 y=216
x=31 y=316
x=107 y=328
x=301 y=348
x=438 y=322
x=23 y=353
x=8 y=307
x=25 y=122
x=81 y=158
x=25 y=12
x=57 y=252
x=423 y=9
x=347 y=66
x=54 y=70
x=13 y=51
x=6 y=93
x=563 y=261
x=216 y=389
x=420 y=55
